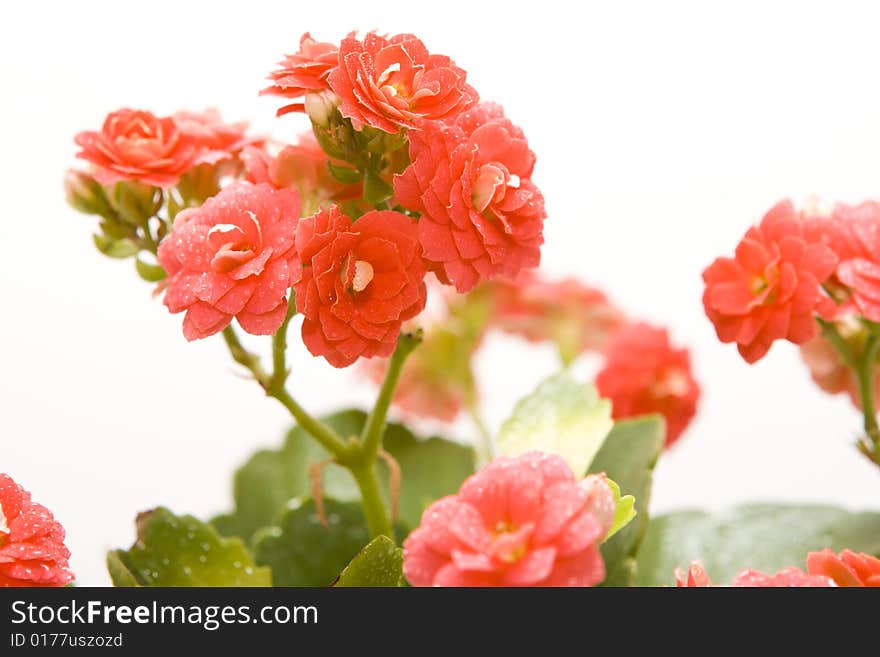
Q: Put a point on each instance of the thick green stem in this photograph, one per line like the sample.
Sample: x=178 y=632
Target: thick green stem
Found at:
x=274 y=387
x=378 y=521
x=374 y=428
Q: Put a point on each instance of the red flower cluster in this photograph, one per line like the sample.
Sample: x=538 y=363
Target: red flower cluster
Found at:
x=359 y=281
x=772 y=288
x=521 y=521
x=461 y=170
x=481 y=215
x=232 y=257
x=137 y=145
x=32 y=550
x=643 y=373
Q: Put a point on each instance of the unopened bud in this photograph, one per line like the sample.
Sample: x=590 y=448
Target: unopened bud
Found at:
x=320 y=106
x=85 y=194
x=135 y=202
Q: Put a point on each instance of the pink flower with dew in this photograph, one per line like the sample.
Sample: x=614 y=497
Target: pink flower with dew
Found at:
x=523 y=521
x=232 y=257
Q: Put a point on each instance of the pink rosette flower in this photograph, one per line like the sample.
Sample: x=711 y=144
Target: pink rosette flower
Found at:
x=358 y=282
x=217 y=139
x=643 y=373
x=787 y=577
x=304 y=72
x=136 y=145
x=772 y=288
x=847 y=568
x=481 y=215
x=232 y=257
x=393 y=82
x=521 y=521
x=32 y=550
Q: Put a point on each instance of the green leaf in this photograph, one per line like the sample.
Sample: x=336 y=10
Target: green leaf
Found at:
x=379 y=564
x=148 y=272
x=302 y=552
x=116 y=248
x=119 y=574
x=624 y=509
x=765 y=537
x=183 y=551
x=628 y=457
x=344 y=174
x=561 y=416
x=376 y=190
x=430 y=469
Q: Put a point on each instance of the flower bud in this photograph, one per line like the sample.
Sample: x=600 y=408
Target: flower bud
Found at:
x=85 y=194
x=135 y=202
x=320 y=106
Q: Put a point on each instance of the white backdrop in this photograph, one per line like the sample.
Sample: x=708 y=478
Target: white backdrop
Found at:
x=662 y=130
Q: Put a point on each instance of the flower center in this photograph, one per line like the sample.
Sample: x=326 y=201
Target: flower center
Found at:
x=233 y=248
x=510 y=543
x=491 y=185
x=363 y=274
x=672 y=383
x=759 y=285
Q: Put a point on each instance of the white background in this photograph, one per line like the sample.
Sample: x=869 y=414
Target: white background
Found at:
x=662 y=131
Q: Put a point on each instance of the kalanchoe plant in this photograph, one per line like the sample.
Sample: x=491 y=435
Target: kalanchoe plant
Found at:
x=399 y=232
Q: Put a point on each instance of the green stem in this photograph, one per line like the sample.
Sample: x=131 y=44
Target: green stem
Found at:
x=830 y=333
x=367 y=478
x=865 y=375
x=148 y=241
x=862 y=365
x=274 y=386
x=485 y=446
x=279 y=347
x=374 y=428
